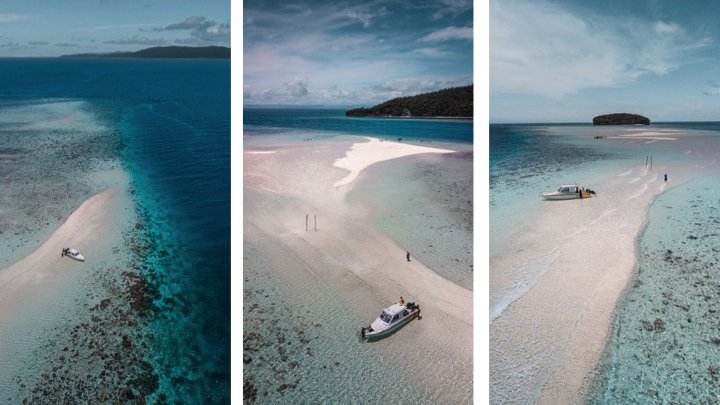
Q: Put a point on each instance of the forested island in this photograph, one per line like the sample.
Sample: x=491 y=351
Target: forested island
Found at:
x=454 y=102
x=621 y=119
x=194 y=52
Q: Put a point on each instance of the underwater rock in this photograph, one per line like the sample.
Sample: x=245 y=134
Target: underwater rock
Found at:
x=249 y=391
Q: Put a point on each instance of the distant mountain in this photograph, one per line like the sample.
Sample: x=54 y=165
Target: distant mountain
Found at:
x=455 y=102
x=621 y=119
x=197 y=52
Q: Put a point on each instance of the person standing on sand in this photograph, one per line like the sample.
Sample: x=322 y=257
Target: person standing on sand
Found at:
x=407 y=256
x=665 y=177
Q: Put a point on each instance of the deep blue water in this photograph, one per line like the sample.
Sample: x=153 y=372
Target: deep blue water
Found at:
x=264 y=120
x=174 y=120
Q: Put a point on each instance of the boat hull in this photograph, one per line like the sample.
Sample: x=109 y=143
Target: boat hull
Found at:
x=379 y=334
x=79 y=258
x=557 y=197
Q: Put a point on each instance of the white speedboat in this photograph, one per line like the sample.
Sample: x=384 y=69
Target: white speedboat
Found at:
x=568 y=192
x=74 y=254
x=390 y=320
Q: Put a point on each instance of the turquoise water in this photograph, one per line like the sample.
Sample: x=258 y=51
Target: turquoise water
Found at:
x=665 y=345
x=167 y=123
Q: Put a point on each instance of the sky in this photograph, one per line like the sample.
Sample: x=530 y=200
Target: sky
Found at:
x=352 y=53
x=31 y=28
x=568 y=61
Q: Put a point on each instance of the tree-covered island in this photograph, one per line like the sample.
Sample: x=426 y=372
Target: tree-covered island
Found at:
x=621 y=119
x=454 y=102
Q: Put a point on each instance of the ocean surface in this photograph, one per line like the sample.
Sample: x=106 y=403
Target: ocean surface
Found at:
x=167 y=124
x=296 y=345
x=665 y=338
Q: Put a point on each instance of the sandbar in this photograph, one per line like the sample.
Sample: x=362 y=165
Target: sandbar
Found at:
x=554 y=292
x=350 y=257
x=363 y=154
x=87 y=229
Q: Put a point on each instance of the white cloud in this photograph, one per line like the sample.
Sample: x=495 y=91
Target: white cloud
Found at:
x=431 y=52
x=297 y=87
x=449 y=33
x=537 y=48
x=662 y=28
x=452 y=7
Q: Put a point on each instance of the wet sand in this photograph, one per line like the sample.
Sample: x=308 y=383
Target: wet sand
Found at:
x=353 y=265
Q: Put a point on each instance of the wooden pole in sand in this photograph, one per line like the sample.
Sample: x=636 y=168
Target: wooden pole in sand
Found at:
x=315 y=216
x=306 y=222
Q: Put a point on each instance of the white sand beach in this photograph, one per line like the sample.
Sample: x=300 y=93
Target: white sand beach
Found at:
x=548 y=330
x=363 y=154
x=354 y=260
x=89 y=229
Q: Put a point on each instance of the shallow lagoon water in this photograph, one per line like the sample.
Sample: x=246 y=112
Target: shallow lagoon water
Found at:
x=521 y=168
x=665 y=345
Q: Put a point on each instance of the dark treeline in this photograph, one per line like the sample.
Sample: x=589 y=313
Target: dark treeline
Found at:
x=208 y=52
x=452 y=102
x=620 y=119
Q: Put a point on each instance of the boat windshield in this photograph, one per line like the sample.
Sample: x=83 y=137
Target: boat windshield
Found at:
x=385 y=317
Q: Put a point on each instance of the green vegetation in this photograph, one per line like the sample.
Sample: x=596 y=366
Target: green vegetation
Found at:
x=620 y=119
x=454 y=102
x=207 y=52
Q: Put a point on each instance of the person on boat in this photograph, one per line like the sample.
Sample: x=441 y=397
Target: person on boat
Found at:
x=402 y=301
x=408 y=256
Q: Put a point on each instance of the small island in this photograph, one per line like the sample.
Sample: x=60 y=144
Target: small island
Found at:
x=454 y=102
x=621 y=119
x=173 y=52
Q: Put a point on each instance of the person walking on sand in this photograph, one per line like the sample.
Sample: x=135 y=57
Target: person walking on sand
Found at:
x=407 y=256
x=665 y=177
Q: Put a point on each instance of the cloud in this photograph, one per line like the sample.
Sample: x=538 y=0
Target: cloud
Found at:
x=297 y=87
x=365 y=17
x=452 y=8
x=449 y=33
x=136 y=40
x=713 y=89
x=8 y=18
x=189 y=23
x=417 y=85
x=431 y=52
x=662 y=28
x=538 y=48
x=201 y=30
